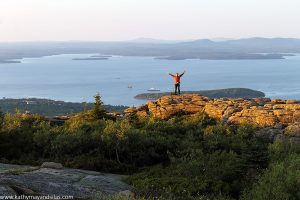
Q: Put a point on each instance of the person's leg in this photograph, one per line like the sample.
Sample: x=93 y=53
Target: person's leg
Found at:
x=178 y=88
x=175 y=88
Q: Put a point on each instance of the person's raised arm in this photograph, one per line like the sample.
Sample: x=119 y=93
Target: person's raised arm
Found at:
x=170 y=74
x=182 y=73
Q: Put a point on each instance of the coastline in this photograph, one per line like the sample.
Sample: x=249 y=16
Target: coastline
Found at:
x=9 y=62
x=244 y=93
x=96 y=56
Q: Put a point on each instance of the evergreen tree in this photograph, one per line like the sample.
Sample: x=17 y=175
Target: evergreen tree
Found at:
x=98 y=111
x=85 y=106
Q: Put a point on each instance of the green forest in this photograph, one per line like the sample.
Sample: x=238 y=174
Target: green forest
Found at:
x=50 y=107
x=184 y=157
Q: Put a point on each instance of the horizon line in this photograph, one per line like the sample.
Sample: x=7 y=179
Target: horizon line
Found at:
x=215 y=39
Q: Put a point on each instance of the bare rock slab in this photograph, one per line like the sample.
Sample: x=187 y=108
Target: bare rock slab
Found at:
x=52 y=165
x=61 y=181
x=5 y=190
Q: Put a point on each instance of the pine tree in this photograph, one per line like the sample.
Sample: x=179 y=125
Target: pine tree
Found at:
x=98 y=111
x=85 y=106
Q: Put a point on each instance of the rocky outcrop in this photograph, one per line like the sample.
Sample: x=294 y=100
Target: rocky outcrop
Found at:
x=293 y=130
x=81 y=184
x=260 y=111
x=279 y=119
x=6 y=190
x=52 y=165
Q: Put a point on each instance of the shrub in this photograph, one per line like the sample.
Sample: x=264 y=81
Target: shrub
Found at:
x=280 y=181
x=193 y=177
x=184 y=157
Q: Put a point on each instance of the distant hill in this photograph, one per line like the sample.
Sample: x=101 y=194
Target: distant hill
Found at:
x=265 y=45
x=219 y=93
x=250 y=48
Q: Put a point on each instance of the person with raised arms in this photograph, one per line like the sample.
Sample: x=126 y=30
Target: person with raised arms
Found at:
x=176 y=79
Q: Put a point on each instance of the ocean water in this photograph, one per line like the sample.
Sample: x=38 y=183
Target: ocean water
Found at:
x=61 y=78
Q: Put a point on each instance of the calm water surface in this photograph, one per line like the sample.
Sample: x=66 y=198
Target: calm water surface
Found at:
x=61 y=78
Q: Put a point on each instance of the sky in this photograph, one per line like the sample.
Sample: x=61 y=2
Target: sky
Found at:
x=115 y=20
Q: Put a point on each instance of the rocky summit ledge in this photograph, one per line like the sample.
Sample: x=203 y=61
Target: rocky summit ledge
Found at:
x=260 y=111
x=279 y=119
x=54 y=179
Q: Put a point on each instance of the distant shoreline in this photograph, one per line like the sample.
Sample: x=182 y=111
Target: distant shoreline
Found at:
x=93 y=58
x=253 y=48
x=256 y=56
x=50 y=107
x=218 y=57
x=9 y=61
x=218 y=93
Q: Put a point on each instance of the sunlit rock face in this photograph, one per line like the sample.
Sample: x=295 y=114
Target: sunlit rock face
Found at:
x=260 y=111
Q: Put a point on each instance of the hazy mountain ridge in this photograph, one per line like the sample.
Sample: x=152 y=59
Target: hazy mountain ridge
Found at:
x=250 y=48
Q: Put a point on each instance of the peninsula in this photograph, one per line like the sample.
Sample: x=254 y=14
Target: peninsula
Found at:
x=218 y=93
